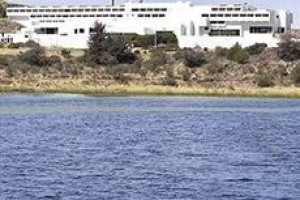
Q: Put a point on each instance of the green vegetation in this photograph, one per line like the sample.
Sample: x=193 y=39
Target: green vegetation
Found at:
x=264 y=79
x=289 y=49
x=256 y=49
x=238 y=54
x=112 y=63
x=296 y=74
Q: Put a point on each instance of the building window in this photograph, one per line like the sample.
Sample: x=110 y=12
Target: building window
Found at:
x=183 y=30
x=235 y=15
x=213 y=15
x=75 y=31
x=261 y=29
x=192 y=29
x=227 y=15
x=81 y=30
x=205 y=15
x=214 y=9
x=135 y=10
x=47 y=31
x=281 y=30
x=224 y=32
x=217 y=22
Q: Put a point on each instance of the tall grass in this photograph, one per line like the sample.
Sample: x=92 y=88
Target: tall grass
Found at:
x=117 y=89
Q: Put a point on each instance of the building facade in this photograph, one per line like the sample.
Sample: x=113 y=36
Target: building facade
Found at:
x=194 y=25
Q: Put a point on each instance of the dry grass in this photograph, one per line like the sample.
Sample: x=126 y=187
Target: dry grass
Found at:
x=80 y=87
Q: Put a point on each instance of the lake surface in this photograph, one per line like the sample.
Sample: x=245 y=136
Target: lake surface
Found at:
x=76 y=147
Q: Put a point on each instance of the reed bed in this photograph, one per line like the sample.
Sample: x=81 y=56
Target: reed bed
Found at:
x=79 y=87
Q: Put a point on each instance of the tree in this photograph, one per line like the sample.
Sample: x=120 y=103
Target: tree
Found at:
x=106 y=48
x=96 y=43
x=238 y=54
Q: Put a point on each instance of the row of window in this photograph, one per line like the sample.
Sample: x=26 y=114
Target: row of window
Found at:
x=69 y=10
x=226 y=9
x=66 y=16
x=149 y=9
x=236 y=15
x=153 y=15
x=224 y=32
x=52 y=21
x=261 y=29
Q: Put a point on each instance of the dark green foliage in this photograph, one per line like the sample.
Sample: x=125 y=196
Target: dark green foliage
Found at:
x=65 y=53
x=2 y=11
x=238 y=54
x=221 y=52
x=35 y=56
x=194 y=59
x=186 y=75
x=256 y=49
x=16 y=45
x=170 y=79
x=264 y=79
x=158 y=57
x=53 y=60
x=146 y=41
x=31 y=44
x=107 y=48
x=96 y=44
x=288 y=49
x=296 y=74
x=4 y=61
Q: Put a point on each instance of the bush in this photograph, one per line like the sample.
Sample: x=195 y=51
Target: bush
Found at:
x=31 y=44
x=296 y=74
x=194 y=59
x=53 y=60
x=16 y=45
x=238 y=54
x=264 y=79
x=66 y=53
x=221 y=52
x=256 y=49
x=35 y=56
x=288 y=49
x=158 y=58
x=126 y=57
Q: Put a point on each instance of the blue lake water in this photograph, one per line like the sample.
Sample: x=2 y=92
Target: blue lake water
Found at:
x=73 y=147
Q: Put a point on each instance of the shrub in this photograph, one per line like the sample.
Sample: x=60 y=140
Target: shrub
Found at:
x=53 y=60
x=288 y=49
x=186 y=75
x=35 y=56
x=16 y=45
x=221 y=52
x=296 y=74
x=66 y=53
x=238 y=54
x=31 y=44
x=158 y=58
x=256 y=49
x=194 y=59
x=126 y=57
x=264 y=79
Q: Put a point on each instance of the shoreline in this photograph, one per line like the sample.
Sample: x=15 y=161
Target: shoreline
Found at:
x=151 y=90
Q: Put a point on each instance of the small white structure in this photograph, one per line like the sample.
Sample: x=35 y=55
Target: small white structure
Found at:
x=194 y=25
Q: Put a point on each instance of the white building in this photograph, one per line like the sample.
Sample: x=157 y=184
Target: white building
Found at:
x=194 y=25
